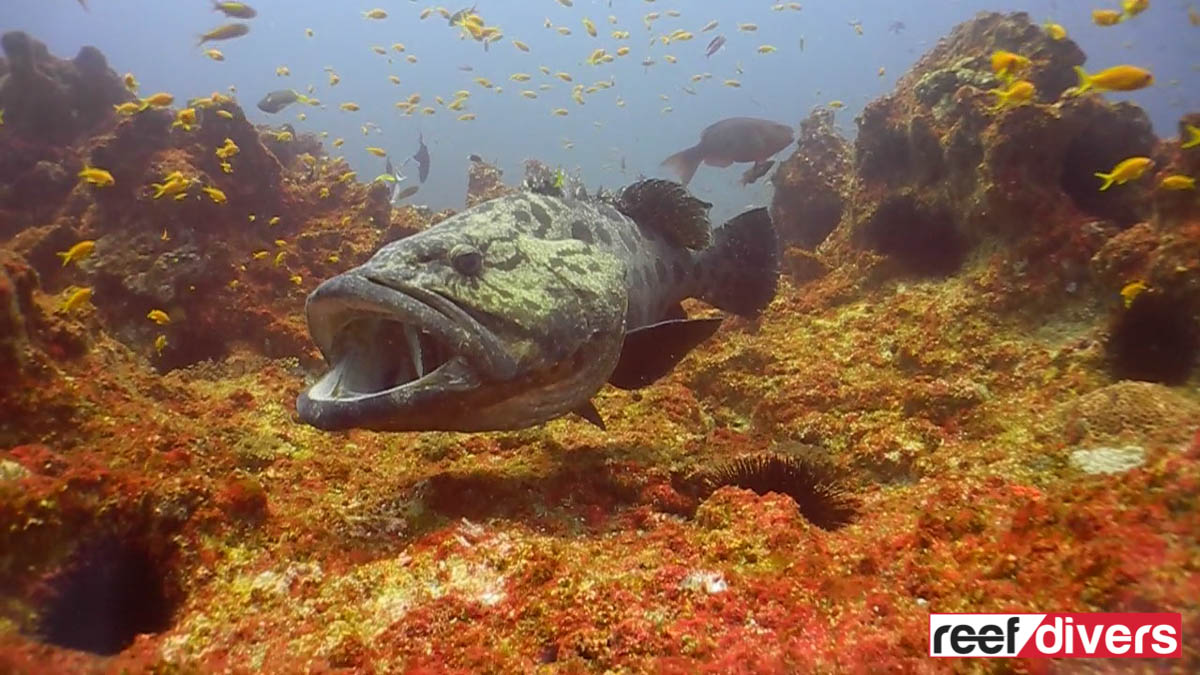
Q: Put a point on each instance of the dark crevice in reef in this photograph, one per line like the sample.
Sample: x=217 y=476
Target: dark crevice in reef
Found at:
x=191 y=349
x=1156 y=340
x=925 y=241
x=109 y=591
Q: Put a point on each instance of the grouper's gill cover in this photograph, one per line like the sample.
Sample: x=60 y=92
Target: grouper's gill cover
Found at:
x=518 y=310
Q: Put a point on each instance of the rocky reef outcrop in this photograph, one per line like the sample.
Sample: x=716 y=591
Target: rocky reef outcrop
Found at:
x=945 y=180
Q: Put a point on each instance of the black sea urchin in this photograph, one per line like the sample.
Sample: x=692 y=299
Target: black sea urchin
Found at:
x=814 y=484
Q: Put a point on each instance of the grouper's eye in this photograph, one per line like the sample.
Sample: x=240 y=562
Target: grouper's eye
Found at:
x=466 y=259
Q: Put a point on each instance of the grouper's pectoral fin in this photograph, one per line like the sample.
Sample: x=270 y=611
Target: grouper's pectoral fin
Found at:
x=651 y=352
x=587 y=410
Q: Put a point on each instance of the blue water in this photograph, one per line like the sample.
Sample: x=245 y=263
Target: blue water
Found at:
x=156 y=40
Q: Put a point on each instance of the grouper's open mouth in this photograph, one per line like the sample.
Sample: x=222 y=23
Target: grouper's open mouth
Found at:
x=394 y=350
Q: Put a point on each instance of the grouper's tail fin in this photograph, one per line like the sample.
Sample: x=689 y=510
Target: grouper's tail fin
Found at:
x=743 y=264
x=685 y=163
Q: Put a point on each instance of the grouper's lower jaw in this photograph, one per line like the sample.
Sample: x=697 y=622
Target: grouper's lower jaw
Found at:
x=410 y=406
x=397 y=356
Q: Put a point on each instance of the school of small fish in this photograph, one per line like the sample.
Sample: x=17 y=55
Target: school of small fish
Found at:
x=670 y=35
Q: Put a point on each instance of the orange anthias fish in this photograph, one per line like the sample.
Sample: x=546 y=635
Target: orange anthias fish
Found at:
x=736 y=139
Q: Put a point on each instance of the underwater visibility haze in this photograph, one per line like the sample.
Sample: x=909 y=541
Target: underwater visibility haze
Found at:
x=592 y=335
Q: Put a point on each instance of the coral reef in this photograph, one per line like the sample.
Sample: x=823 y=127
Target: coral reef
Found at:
x=940 y=374
x=484 y=183
x=810 y=187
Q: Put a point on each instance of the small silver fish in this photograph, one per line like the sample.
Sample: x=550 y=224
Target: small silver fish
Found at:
x=715 y=45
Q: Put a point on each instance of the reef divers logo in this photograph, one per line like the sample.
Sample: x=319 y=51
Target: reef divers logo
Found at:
x=1058 y=635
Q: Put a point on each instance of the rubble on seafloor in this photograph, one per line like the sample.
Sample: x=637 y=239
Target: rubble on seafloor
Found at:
x=944 y=371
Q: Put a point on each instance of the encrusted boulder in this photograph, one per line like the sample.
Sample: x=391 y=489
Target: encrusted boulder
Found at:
x=811 y=184
x=940 y=168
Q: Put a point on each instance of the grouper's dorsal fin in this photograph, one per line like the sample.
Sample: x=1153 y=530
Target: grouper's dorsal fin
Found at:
x=666 y=207
x=651 y=352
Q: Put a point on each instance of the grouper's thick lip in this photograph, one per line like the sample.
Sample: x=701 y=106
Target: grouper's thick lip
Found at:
x=392 y=349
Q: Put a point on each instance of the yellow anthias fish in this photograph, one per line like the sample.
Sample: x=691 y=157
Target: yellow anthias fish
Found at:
x=1019 y=92
x=226 y=32
x=160 y=100
x=1006 y=65
x=273 y=221
x=160 y=343
x=1178 y=182
x=1055 y=31
x=175 y=187
x=214 y=54
x=228 y=149
x=766 y=49
x=1129 y=169
x=1130 y=292
x=378 y=152
x=185 y=119
x=214 y=194
x=131 y=82
x=159 y=317
x=1193 y=140
x=1107 y=17
x=128 y=108
x=349 y=107
x=1134 y=7
x=77 y=252
x=375 y=14
x=225 y=114
x=97 y=177
x=1117 y=78
x=76 y=298
x=520 y=45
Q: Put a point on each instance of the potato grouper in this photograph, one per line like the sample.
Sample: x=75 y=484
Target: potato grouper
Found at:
x=518 y=310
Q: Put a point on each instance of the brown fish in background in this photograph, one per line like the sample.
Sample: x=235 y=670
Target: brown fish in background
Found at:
x=756 y=171
x=422 y=159
x=736 y=139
